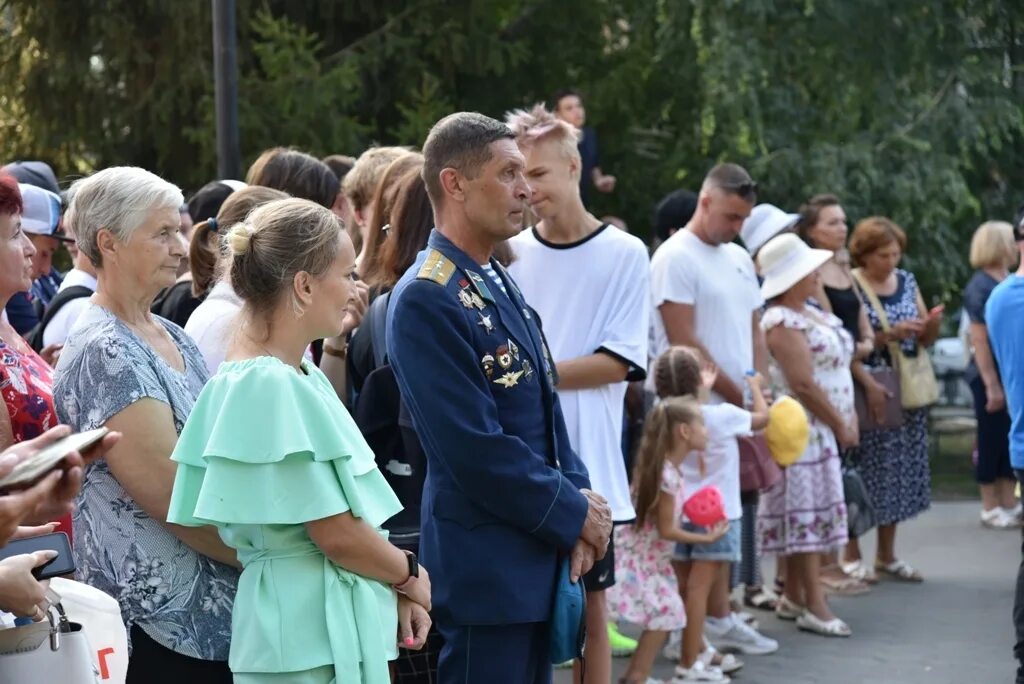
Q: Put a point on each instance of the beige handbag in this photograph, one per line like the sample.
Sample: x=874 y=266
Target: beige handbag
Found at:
x=918 y=386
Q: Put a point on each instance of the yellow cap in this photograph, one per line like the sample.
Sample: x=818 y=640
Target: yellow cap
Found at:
x=788 y=431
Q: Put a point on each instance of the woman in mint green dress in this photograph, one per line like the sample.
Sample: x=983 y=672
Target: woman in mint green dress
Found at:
x=270 y=456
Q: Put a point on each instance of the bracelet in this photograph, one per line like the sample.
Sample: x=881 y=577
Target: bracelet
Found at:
x=334 y=351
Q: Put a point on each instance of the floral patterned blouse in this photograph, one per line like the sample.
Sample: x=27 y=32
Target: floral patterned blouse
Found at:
x=178 y=597
x=27 y=386
x=26 y=383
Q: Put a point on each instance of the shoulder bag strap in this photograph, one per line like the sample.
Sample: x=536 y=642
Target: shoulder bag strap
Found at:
x=895 y=351
x=378 y=329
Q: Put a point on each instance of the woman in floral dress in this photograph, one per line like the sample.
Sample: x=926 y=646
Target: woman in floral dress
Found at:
x=804 y=514
x=893 y=462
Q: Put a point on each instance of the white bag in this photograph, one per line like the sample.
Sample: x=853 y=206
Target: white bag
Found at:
x=47 y=652
x=100 y=616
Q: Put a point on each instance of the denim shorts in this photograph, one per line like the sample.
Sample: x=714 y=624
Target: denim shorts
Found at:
x=725 y=549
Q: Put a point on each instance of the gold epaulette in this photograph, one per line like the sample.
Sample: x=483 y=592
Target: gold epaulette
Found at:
x=437 y=267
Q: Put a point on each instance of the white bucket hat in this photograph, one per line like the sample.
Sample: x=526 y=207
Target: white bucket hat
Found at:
x=765 y=222
x=785 y=261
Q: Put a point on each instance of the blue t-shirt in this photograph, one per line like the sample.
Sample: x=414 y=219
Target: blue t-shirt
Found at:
x=1005 y=316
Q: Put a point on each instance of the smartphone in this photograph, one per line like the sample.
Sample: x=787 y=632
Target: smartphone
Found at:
x=48 y=458
x=63 y=564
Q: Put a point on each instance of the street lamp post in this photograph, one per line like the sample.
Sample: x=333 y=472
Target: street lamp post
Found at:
x=225 y=69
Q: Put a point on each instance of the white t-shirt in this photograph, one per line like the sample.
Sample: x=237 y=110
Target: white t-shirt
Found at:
x=212 y=323
x=721 y=285
x=59 y=327
x=724 y=422
x=591 y=296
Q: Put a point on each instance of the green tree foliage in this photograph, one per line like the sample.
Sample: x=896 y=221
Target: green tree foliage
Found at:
x=911 y=110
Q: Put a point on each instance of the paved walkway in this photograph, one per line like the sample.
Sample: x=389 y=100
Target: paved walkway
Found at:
x=954 y=629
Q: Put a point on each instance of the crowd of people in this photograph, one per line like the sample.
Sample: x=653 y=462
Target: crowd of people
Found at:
x=373 y=418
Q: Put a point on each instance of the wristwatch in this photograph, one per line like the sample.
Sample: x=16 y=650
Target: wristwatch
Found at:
x=414 y=571
x=414 y=564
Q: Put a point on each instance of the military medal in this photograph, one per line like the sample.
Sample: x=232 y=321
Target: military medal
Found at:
x=480 y=285
x=485 y=323
x=513 y=349
x=527 y=370
x=504 y=358
x=466 y=297
x=509 y=380
x=478 y=302
x=488 y=363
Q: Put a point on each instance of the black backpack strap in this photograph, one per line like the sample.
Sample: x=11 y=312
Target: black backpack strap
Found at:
x=378 y=315
x=35 y=336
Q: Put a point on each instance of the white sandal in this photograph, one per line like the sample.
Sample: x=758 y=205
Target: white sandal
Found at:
x=809 y=622
x=727 y=662
x=899 y=570
x=859 y=570
x=786 y=609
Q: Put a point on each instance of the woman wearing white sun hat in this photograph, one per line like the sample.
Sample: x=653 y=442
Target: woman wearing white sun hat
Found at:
x=805 y=514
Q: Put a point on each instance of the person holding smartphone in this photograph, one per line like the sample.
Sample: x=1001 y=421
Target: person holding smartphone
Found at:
x=893 y=462
x=23 y=514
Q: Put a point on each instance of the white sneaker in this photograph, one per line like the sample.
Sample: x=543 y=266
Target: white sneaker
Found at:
x=673 y=646
x=699 y=673
x=731 y=634
x=999 y=519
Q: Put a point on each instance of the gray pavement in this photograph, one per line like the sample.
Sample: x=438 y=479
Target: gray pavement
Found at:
x=955 y=628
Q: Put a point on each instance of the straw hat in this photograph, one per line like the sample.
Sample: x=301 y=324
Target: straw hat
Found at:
x=785 y=261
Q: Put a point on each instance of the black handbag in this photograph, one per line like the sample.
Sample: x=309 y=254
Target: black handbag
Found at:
x=860 y=512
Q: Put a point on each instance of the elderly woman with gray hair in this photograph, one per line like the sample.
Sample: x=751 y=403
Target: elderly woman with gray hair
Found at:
x=139 y=374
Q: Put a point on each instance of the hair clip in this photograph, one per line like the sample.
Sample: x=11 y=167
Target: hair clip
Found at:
x=385 y=228
x=212 y=223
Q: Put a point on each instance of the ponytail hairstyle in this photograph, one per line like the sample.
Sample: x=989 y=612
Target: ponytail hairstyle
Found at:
x=206 y=251
x=677 y=373
x=658 y=440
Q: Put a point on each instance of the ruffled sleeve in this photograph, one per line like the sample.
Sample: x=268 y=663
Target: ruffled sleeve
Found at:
x=784 y=316
x=266 y=445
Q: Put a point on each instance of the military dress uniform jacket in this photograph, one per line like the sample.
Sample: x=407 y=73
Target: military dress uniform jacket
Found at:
x=501 y=500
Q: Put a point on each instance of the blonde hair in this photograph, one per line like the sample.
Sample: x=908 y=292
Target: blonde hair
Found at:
x=538 y=124
x=657 y=441
x=993 y=244
x=277 y=241
x=361 y=181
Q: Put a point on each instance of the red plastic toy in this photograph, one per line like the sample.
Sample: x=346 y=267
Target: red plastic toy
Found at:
x=705 y=507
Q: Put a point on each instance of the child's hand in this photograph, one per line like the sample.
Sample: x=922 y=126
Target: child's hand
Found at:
x=708 y=375
x=754 y=380
x=717 y=531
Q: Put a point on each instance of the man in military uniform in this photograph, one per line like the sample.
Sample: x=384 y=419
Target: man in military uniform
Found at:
x=505 y=496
